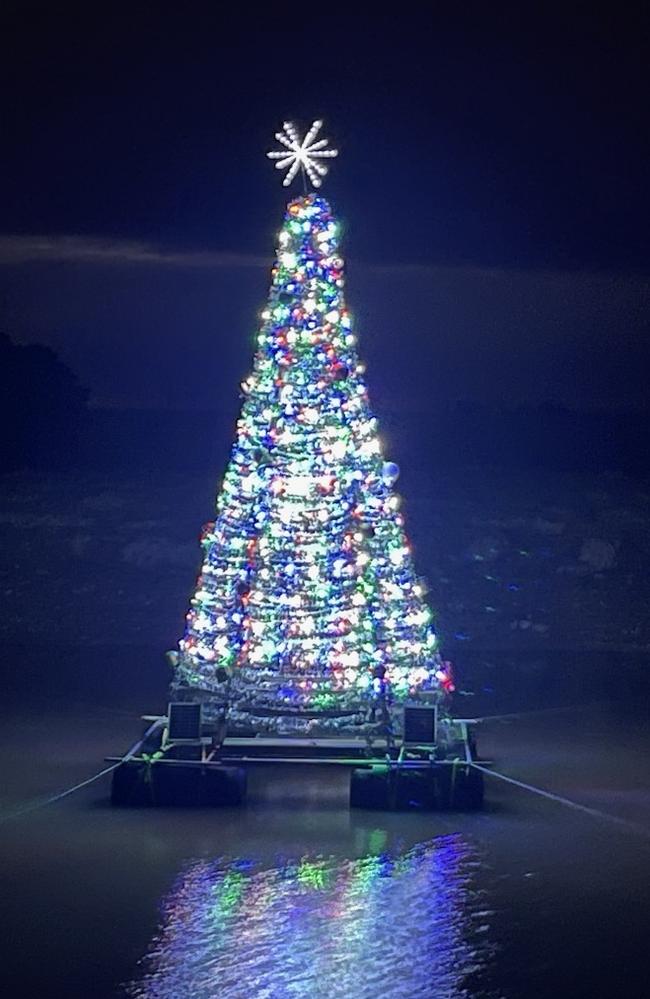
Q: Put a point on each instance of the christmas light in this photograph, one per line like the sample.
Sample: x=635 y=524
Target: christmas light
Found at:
x=308 y=607
x=306 y=154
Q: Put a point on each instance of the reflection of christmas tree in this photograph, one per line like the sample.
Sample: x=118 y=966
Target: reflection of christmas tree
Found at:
x=322 y=927
x=308 y=615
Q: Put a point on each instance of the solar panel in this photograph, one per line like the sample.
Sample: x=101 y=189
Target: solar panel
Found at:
x=184 y=721
x=420 y=724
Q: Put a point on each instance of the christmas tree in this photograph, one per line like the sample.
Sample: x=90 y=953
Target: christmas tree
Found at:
x=308 y=616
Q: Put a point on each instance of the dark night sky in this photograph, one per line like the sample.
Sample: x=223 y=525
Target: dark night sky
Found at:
x=492 y=181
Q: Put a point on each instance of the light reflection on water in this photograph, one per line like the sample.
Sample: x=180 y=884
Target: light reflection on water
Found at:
x=386 y=925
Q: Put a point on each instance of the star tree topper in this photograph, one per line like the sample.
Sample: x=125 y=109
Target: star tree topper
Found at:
x=304 y=154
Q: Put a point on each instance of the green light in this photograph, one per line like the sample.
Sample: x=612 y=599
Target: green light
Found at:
x=228 y=893
x=315 y=876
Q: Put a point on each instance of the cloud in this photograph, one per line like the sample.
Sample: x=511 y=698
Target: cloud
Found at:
x=428 y=331
x=17 y=249
x=25 y=249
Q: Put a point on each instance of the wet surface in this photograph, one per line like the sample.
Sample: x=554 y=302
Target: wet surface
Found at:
x=324 y=927
x=295 y=895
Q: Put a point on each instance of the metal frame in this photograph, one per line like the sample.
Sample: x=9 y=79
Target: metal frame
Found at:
x=345 y=752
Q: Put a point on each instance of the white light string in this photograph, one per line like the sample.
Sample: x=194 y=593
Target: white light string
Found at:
x=304 y=154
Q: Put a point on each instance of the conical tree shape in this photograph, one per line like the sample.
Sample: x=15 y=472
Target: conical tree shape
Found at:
x=308 y=614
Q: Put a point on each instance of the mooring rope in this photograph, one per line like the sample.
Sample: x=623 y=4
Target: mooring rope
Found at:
x=522 y=785
x=32 y=806
x=561 y=800
x=533 y=711
x=42 y=802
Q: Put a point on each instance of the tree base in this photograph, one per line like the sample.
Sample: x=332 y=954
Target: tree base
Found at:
x=442 y=787
x=209 y=768
x=137 y=784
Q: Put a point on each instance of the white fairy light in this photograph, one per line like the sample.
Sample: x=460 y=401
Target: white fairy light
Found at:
x=304 y=154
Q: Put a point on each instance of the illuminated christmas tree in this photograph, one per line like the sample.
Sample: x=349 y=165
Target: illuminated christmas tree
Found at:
x=308 y=616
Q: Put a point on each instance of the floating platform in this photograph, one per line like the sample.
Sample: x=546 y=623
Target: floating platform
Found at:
x=193 y=772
